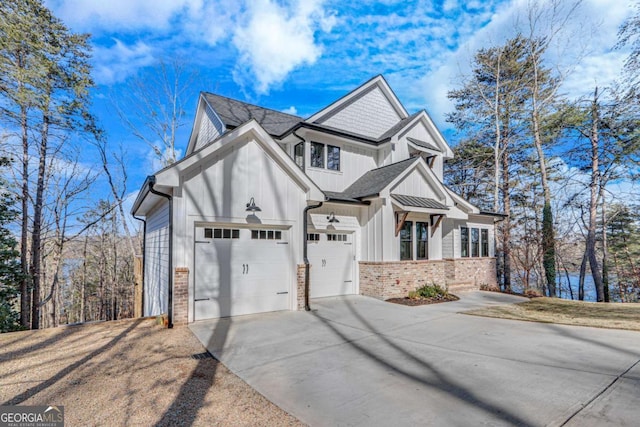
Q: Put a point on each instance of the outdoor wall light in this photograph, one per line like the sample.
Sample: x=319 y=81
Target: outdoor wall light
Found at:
x=332 y=218
x=251 y=206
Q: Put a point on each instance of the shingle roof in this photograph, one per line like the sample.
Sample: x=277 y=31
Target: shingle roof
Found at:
x=374 y=181
x=395 y=128
x=234 y=113
x=423 y=144
x=418 y=202
x=341 y=197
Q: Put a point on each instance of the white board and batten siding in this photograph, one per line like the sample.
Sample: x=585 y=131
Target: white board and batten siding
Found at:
x=243 y=275
x=156 y=272
x=355 y=161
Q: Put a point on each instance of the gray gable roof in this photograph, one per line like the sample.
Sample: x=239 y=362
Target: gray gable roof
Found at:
x=395 y=128
x=418 y=202
x=423 y=144
x=233 y=113
x=374 y=181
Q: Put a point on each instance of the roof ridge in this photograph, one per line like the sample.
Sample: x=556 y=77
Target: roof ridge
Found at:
x=253 y=105
x=393 y=164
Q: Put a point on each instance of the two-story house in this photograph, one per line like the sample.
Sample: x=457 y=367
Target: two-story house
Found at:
x=267 y=209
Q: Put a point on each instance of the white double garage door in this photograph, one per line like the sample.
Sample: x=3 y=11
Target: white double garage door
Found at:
x=250 y=270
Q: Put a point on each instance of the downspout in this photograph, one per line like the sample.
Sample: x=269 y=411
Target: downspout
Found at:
x=152 y=182
x=305 y=222
x=144 y=254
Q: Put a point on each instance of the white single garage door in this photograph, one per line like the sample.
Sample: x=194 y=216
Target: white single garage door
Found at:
x=331 y=256
x=240 y=271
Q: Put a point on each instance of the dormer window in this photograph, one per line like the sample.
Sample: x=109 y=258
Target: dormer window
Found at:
x=324 y=154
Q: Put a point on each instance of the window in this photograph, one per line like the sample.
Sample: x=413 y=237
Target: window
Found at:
x=475 y=242
x=266 y=234
x=333 y=158
x=406 y=242
x=322 y=155
x=337 y=237
x=298 y=154
x=313 y=237
x=464 y=242
x=484 y=242
x=422 y=251
x=222 y=233
x=317 y=155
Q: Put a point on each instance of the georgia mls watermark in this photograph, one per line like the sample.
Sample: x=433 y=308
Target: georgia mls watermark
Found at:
x=31 y=416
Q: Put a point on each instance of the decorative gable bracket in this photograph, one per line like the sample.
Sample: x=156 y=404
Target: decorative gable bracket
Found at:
x=436 y=219
x=401 y=217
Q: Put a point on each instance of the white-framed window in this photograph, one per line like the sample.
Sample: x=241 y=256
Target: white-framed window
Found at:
x=474 y=242
x=422 y=240
x=325 y=156
x=313 y=237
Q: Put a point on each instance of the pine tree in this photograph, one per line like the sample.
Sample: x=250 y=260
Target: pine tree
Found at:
x=10 y=269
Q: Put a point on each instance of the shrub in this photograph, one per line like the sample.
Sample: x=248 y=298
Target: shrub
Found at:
x=429 y=291
x=491 y=288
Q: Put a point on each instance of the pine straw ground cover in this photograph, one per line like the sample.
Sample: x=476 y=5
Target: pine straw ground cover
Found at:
x=129 y=372
x=566 y=312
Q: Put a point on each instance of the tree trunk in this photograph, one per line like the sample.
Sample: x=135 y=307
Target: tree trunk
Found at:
x=506 y=224
x=583 y=272
x=593 y=201
x=25 y=292
x=605 y=250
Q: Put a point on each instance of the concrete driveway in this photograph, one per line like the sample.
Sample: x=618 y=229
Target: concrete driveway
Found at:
x=359 y=361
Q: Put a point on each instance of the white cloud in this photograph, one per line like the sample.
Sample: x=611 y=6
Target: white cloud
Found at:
x=118 y=14
x=582 y=49
x=274 y=40
x=291 y=110
x=115 y=63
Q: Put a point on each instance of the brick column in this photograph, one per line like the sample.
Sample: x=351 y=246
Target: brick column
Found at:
x=300 y=280
x=180 y=296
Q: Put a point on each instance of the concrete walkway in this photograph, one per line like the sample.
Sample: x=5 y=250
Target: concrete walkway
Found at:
x=359 y=361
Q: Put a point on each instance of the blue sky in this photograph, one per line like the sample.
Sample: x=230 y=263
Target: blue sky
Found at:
x=298 y=56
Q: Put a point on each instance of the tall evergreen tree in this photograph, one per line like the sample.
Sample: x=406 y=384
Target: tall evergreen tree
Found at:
x=10 y=269
x=45 y=92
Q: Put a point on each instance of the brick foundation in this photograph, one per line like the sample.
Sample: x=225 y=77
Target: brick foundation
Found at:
x=395 y=279
x=300 y=281
x=180 y=296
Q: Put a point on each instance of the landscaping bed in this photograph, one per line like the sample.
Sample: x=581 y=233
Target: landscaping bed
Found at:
x=429 y=294
x=423 y=301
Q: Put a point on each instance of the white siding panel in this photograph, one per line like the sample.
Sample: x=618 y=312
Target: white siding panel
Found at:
x=371 y=115
x=447 y=238
x=354 y=162
x=416 y=184
x=156 y=273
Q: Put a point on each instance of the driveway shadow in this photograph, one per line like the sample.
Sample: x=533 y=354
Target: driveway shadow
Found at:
x=442 y=382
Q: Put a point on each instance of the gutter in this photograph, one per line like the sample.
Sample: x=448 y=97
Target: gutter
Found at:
x=144 y=254
x=305 y=223
x=152 y=181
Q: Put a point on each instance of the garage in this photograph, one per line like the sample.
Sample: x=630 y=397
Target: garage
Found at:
x=332 y=257
x=241 y=270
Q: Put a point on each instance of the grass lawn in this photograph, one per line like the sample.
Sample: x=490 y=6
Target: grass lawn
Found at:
x=579 y=313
